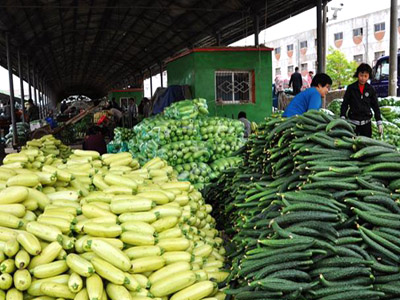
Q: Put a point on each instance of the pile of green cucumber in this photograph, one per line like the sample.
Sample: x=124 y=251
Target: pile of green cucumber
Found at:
x=312 y=213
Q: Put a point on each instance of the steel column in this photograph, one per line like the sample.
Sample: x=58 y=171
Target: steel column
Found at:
x=319 y=36
x=256 y=23
x=29 y=78
x=21 y=82
x=37 y=92
x=324 y=19
x=45 y=109
x=34 y=84
x=161 y=75
x=393 y=49
x=12 y=105
x=218 y=38
x=151 y=84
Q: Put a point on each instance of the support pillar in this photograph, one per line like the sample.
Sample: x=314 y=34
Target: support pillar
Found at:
x=151 y=83
x=393 y=49
x=324 y=19
x=34 y=85
x=12 y=104
x=256 y=23
x=29 y=78
x=161 y=74
x=21 y=82
x=319 y=36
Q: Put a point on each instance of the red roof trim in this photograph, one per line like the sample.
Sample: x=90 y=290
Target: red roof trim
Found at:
x=219 y=49
x=126 y=90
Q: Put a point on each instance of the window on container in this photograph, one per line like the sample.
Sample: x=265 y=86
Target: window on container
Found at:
x=358 y=58
x=278 y=50
x=290 y=69
x=303 y=44
x=290 y=47
x=358 y=32
x=304 y=67
x=379 y=54
x=338 y=36
x=379 y=27
x=278 y=71
x=233 y=86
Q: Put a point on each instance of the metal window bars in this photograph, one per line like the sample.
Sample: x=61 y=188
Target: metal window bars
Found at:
x=233 y=86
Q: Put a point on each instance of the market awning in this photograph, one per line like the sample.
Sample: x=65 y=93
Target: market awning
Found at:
x=90 y=46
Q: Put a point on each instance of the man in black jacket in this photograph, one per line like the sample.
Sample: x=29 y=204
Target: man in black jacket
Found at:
x=358 y=100
x=296 y=80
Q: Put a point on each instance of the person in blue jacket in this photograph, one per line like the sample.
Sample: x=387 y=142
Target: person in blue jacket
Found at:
x=310 y=98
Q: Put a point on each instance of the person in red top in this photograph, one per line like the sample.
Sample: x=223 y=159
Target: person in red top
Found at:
x=359 y=99
x=94 y=140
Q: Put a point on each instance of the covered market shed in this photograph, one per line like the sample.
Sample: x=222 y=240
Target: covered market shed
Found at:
x=71 y=47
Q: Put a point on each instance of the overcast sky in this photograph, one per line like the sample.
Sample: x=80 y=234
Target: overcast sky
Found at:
x=296 y=24
x=308 y=20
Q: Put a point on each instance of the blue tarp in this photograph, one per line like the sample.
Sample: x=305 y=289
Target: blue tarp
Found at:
x=174 y=93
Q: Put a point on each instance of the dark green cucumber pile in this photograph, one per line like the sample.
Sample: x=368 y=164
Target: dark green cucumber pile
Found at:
x=313 y=213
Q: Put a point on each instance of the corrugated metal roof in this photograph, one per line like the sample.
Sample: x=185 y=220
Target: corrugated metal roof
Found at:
x=90 y=46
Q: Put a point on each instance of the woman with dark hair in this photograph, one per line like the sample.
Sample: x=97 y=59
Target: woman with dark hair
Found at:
x=310 y=98
x=359 y=99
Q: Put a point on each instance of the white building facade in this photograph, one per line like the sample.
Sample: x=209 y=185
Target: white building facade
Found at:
x=363 y=39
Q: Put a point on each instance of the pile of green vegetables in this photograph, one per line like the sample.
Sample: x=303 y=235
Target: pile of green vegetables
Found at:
x=23 y=131
x=313 y=213
x=188 y=140
x=187 y=109
x=123 y=134
x=81 y=127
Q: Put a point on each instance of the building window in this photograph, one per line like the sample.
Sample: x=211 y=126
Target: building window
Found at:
x=290 y=69
x=358 y=32
x=338 y=36
x=316 y=42
x=358 y=58
x=233 y=86
x=278 y=50
x=398 y=22
x=304 y=67
x=278 y=71
x=379 y=27
x=303 y=44
x=316 y=65
x=379 y=54
x=290 y=47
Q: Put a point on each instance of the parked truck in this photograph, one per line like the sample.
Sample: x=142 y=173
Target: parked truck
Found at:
x=380 y=78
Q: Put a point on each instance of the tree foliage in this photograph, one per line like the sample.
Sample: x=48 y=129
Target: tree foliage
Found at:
x=339 y=68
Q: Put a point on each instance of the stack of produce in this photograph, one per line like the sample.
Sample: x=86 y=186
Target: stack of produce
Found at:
x=187 y=109
x=390 y=113
x=81 y=127
x=121 y=138
x=47 y=148
x=335 y=106
x=23 y=131
x=389 y=101
x=314 y=213
x=100 y=227
x=67 y=135
x=190 y=145
x=123 y=134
